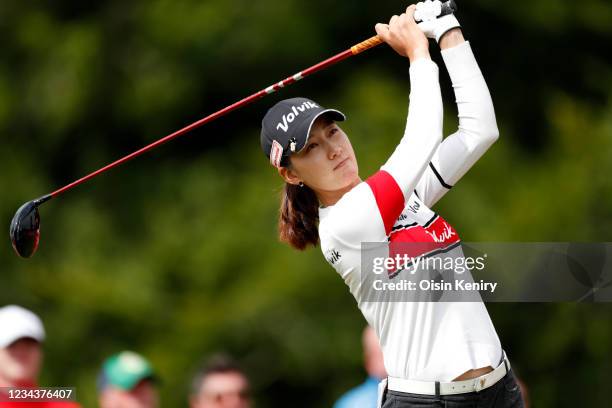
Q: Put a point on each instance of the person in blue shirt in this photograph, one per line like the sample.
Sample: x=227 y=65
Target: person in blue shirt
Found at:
x=365 y=394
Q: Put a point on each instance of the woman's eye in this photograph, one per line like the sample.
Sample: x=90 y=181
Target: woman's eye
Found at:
x=333 y=131
x=311 y=146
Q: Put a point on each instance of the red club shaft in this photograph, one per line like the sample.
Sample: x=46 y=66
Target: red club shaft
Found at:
x=356 y=49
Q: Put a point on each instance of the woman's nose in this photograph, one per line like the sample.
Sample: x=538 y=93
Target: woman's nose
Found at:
x=334 y=151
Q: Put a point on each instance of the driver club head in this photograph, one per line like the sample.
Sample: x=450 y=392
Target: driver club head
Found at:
x=25 y=228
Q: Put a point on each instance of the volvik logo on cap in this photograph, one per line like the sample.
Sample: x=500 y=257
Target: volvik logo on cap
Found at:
x=295 y=112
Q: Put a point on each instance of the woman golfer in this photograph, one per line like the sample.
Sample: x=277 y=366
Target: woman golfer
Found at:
x=436 y=353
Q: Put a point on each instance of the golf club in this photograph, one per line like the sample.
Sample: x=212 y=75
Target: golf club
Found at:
x=25 y=226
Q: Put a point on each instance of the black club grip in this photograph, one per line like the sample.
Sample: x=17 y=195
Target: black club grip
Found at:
x=448 y=7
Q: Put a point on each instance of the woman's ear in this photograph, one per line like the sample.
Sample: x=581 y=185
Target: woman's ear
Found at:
x=289 y=175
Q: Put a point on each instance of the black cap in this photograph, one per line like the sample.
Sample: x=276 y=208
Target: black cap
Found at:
x=286 y=127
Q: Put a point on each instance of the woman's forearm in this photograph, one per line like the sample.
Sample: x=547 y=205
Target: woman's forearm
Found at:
x=474 y=103
x=451 y=38
x=477 y=124
x=423 y=131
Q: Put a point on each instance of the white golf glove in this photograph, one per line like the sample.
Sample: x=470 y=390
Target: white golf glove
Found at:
x=427 y=13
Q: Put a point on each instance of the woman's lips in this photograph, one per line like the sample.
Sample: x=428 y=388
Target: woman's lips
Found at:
x=342 y=163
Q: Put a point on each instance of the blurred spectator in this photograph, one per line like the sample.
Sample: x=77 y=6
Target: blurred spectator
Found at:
x=364 y=395
x=21 y=355
x=127 y=380
x=220 y=383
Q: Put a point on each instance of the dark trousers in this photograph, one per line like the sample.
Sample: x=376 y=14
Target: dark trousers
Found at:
x=503 y=394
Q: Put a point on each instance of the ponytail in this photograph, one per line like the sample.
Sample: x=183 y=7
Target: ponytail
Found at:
x=298 y=223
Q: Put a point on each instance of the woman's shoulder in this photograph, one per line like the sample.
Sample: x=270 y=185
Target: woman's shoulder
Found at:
x=337 y=215
x=353 y=219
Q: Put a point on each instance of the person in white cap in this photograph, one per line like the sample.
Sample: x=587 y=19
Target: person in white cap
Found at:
x=21 y=355
x=21 y=335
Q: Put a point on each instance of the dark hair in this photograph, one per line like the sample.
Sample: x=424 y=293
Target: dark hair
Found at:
x=298 y=223
x=217 y=364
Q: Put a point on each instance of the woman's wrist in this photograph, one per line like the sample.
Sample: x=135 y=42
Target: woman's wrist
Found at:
x=451 y=38
x=418 y=53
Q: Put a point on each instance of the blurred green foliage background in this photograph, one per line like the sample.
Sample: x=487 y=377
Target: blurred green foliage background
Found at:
x=175 y=254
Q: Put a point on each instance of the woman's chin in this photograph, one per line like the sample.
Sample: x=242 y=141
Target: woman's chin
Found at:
x=350 y=179
x=350 y=173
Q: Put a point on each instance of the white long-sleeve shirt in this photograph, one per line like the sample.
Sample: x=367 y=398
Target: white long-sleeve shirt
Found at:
x=428 y=341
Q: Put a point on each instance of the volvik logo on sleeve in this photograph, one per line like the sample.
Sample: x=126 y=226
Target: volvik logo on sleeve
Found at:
x=332 y=256
x=295 y=112
x=442 y=233
x=414 y=207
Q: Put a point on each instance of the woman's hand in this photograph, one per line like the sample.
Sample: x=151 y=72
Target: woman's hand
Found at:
x=404 y=35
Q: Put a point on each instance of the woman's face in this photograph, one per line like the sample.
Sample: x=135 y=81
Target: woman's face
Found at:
x=327 y=163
